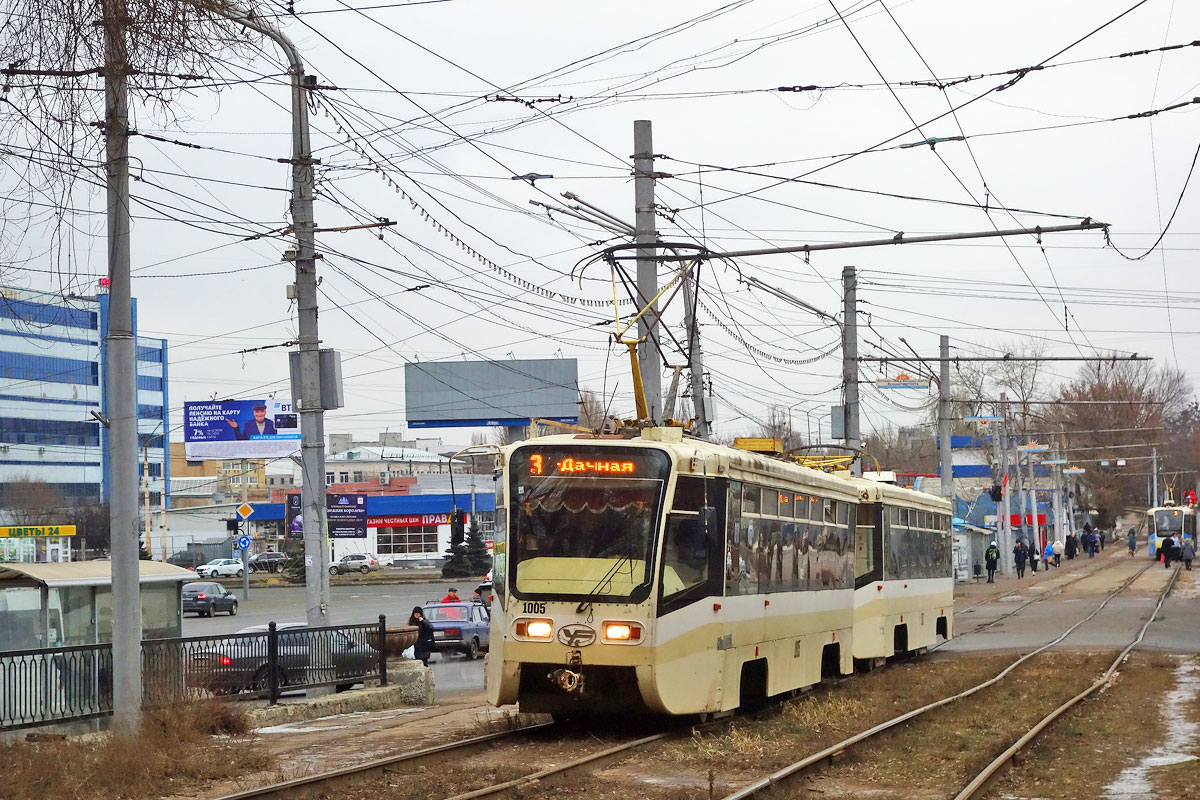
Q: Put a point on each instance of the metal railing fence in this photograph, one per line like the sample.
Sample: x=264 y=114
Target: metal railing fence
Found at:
x=63 y=684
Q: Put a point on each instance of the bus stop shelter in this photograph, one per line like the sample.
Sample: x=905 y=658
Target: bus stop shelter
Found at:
x=65 y=604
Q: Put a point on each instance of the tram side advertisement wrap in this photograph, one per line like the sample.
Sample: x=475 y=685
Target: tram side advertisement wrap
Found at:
x=583 y=521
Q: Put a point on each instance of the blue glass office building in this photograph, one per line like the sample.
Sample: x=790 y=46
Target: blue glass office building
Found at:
x=52 y=376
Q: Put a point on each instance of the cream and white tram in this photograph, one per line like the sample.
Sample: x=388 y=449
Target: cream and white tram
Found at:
x=673 y=576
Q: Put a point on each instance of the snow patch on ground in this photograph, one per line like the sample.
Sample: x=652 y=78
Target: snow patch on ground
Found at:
x=1183 y=736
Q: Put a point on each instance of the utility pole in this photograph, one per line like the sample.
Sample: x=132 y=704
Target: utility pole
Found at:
x=1059 y=535
x=307 y=391
x=1020 y=495
x=646 y=237
x=1154 y=476
x=1003 y=523
x=945 y=449
x=146 y=501
x=850 y=364
x=702 y=407
x=245 y=555
x=1032 y=492
x=121 y=384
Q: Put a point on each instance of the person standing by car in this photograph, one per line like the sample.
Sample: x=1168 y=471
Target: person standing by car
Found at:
x=424 y=645
x=451 y=596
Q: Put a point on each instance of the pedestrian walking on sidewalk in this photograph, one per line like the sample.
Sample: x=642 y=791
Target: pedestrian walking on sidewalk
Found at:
x=1057 y=549
x=1187 y=553
x=1033 y=557
x=992 y=557
x=1132 y=542
x=1020 y=553
x=1071 y=547
x=1048 y=555
x=1100 y=537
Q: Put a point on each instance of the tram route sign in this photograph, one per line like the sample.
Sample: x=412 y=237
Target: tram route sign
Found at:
x=35 y=531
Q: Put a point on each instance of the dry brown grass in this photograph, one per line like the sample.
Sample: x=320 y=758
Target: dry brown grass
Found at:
x=1115 y=728
x=174 y=752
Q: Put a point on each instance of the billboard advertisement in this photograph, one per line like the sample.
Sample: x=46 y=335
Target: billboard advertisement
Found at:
x=347 y=515
x=294 y=516
x=467 y=394
x=225 y=429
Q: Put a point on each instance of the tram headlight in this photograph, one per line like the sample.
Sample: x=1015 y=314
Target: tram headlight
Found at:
x=624 y=632
x=535 y=628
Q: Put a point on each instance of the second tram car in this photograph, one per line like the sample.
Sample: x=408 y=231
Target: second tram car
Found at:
x=673 y=576
x=1168 y=521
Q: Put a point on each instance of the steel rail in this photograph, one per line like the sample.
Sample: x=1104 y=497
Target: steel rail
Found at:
x=300 y=786
x=829 y=753
x=1057 y=590
x=992 y=770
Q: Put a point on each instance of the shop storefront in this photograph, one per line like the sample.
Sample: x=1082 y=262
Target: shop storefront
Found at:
x=36 y=544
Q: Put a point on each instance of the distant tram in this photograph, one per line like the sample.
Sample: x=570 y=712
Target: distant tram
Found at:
x=665 y=575
x=1168 y=521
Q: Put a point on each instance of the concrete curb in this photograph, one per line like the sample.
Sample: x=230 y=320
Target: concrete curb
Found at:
x=409 y=684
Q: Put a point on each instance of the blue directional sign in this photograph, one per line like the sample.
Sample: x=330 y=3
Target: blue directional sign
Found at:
x=243 y=543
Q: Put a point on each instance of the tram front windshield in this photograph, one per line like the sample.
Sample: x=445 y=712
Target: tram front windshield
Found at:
x=1168 y=520
x=582 y=521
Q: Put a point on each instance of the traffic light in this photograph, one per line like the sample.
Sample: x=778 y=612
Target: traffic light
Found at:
x=458 y=526
x=231 y=526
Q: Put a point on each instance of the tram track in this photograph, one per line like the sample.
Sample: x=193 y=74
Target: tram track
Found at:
x=455 y=752
x=978 y=784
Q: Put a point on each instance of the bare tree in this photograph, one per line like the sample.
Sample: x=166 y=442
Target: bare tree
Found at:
x=32 y=502
x=1145 y=404
x=56 y=61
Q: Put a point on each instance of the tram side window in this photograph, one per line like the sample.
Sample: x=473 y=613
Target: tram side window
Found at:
x=785 y=505
x=770 y=502
x=768 y=556
x=750 y=500
x=1189 y=525
x=734 y=550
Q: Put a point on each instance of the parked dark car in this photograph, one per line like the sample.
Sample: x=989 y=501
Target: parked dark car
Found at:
x=240 y=662
x=267 y=562
x=206 y=598
x=459 y=627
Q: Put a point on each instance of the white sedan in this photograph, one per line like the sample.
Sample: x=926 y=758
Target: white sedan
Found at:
x=221 y=568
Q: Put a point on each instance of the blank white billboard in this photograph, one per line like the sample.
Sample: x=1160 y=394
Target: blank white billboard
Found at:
x=443 y=394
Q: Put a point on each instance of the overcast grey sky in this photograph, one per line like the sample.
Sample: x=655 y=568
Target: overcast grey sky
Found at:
x=415 y=110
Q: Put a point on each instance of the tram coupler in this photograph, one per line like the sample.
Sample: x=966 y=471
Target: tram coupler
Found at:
x=570 y=680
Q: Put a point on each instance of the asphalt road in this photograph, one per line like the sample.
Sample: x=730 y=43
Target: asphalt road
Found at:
x=350 y=605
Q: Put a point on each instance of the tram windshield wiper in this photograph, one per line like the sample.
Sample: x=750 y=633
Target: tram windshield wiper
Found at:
x=604 y=583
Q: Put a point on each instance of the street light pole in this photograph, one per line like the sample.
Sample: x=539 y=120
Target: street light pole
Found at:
x=307 y=394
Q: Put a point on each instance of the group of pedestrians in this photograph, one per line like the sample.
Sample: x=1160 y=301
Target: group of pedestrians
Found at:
x=1026 y=553
x=1174 y=548
x=424 y=646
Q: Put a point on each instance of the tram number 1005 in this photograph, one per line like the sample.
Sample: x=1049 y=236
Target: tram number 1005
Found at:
x=533 y=608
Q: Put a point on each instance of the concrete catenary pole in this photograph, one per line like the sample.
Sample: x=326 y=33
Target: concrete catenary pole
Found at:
x=945 y=443
x=1032 y=492
x=646 y=235
x=1154 y=476
x=1020 y=490
x=1004 y=524
x=121 y=384
x=308 y=395
x=703 y=408
x=1059 y=534
x=850 y=364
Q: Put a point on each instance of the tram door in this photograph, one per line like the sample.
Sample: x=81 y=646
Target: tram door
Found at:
x=868 y=544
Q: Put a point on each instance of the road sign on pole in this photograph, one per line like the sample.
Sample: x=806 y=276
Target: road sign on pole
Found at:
x=243 y=543
x=245 y=510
